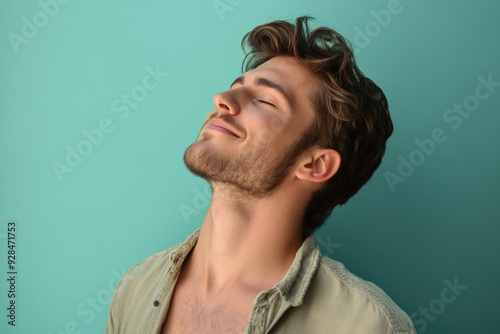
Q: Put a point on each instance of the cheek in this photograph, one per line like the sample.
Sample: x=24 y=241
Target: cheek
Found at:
x=268 y=121
x=272 y=137
x=265 y=128
x=279 y=122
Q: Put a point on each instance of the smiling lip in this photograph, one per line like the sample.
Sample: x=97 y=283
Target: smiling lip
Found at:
x=221 y=126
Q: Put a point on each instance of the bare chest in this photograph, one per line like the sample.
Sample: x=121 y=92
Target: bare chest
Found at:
x=188 y=314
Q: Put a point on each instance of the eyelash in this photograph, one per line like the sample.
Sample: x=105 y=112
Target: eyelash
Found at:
x=265 y=102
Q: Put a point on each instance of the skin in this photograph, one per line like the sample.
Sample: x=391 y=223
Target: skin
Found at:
x=248 y=241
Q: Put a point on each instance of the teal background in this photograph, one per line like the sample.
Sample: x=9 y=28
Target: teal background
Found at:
x=123 y=202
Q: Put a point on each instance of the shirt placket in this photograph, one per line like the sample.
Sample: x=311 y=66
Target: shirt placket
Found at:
x=161 y=301
x=259 y=316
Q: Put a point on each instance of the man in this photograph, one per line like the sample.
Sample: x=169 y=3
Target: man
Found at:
x=297 y=134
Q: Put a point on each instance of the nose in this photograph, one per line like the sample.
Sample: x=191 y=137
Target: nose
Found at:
x=226 y=102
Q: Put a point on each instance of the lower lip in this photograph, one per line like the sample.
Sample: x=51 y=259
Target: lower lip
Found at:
x=220 y=129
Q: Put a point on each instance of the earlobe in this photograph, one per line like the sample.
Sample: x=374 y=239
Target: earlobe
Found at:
x=321 y=165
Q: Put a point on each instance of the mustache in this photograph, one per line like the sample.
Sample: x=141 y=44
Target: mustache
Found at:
x=229 y=120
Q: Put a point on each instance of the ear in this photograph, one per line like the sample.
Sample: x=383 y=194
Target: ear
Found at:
x=319 y=165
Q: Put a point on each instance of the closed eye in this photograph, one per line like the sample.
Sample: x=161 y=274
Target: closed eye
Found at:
x=266 y=102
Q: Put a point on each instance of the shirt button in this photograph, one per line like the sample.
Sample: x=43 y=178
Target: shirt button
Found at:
x=156 y=303
x=176 y=260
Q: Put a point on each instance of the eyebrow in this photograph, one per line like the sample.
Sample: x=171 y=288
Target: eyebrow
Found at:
x=266 y=83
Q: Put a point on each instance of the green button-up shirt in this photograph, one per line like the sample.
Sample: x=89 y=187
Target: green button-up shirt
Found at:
x=317 y=295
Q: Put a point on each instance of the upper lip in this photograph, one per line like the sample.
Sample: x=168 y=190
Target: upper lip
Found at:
x=222 y=124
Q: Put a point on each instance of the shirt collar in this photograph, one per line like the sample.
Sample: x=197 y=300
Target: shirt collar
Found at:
x=181 y=250
x=294 y=285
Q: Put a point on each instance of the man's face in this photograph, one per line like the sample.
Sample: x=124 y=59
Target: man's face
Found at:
x=254 y=135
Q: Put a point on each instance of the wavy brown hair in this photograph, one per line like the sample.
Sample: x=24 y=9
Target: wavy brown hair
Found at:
x=352 y=113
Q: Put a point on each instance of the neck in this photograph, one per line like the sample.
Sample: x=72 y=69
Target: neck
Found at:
x=247 y=243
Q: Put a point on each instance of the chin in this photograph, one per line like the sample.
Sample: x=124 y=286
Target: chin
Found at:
x=204 y=160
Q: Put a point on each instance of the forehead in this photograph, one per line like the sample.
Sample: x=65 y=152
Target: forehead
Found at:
x=288 y=72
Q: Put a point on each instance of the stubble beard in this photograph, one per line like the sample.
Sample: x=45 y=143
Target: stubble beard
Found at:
x=253 y=173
